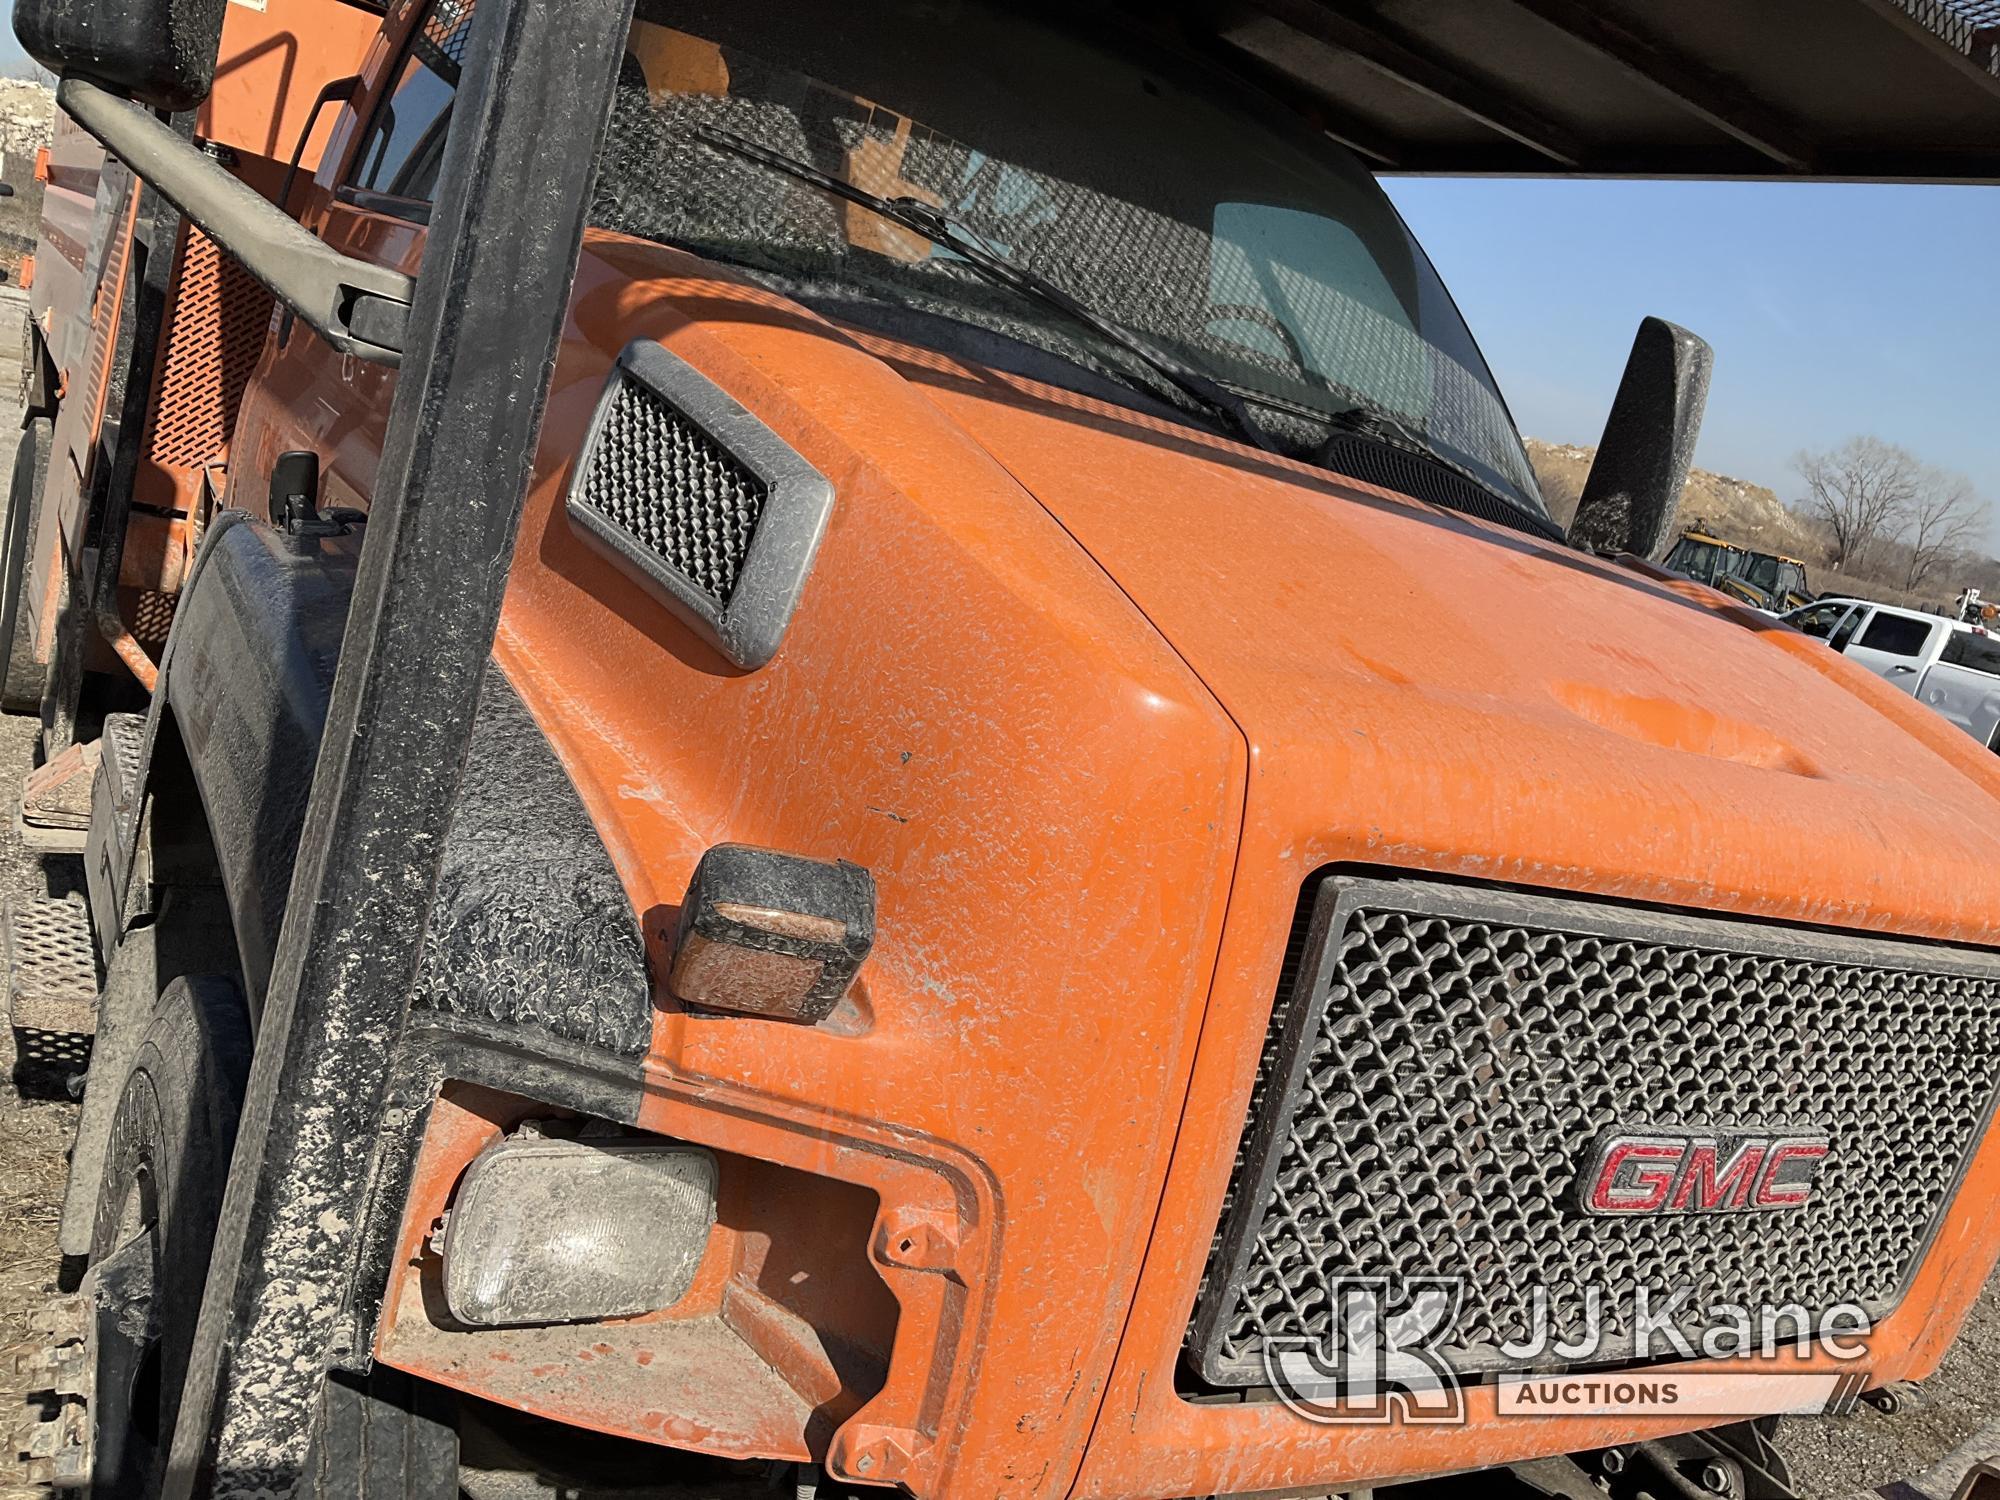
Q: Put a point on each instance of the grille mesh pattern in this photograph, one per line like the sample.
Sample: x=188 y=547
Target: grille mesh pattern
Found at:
x=442 y=41
x=1972 y=26
x=675 y=490
x=1463 y=1065
x=221 y=315
x=154 y=616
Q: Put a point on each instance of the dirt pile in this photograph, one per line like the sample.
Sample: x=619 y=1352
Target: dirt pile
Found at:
x=27 y=120
x=1727 y=507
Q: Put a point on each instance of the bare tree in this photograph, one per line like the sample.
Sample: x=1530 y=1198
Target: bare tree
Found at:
x=1944 y=518
x=1860 y=489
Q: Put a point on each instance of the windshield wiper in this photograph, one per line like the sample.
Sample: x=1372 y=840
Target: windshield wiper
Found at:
x=1374 y=424
x=940 y=228
x=1377 y=426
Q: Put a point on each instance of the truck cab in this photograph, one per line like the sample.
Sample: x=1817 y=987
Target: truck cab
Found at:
x=1949 y=665
x=815 y=811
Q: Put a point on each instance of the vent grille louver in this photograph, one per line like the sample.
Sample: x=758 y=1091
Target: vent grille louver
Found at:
x=700 y=502
x=1444 y=1058
x=673 y=489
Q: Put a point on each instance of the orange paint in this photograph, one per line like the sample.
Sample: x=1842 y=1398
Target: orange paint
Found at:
x=1054 y=879
x=1092 y=695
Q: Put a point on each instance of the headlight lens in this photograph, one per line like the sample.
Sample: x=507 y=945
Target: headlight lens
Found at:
x=549 y=1231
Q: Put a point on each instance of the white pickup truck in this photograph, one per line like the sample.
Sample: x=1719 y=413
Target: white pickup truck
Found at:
x=1953 y=668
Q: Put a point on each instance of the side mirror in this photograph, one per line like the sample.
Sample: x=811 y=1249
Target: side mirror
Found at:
x=1642 y=462
x=160 y=52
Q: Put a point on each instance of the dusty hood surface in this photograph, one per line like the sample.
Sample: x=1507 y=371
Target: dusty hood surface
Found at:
x=1422 y=690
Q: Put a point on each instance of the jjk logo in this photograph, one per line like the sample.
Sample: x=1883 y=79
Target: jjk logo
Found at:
x=1378 y=1361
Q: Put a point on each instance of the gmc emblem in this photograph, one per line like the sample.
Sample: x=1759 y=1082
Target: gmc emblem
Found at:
x=1675 y=1171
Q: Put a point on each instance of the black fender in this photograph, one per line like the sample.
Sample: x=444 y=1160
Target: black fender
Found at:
x=531 y=928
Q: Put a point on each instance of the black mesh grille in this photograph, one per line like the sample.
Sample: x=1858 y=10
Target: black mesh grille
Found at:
x=1964 y=24
x=1463 y=1050
x=442 y=40
x=674 y=490
x=1408 y=474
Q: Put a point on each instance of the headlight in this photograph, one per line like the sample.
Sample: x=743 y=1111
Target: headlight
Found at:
x=549 y=1231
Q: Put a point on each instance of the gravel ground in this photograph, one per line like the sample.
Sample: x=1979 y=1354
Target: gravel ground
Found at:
x=1917 y=1454
x=1922 y=1451
x=33 y=1136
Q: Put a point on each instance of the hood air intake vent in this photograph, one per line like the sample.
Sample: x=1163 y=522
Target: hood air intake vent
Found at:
x=699 y=502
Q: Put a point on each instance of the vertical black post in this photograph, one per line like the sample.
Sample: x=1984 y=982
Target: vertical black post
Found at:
x=527 y=124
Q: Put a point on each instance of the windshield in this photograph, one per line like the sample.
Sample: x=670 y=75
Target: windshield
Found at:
x=1762 y=572
x=1226 y=233
x=1704 y=562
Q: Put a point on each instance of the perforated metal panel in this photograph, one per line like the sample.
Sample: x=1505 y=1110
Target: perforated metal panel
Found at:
x=220 y=318
x=51 y=982
x=1441 y=1061
x=676 y=490
x=1960 y=22
x=154 y=616
x=442 y=41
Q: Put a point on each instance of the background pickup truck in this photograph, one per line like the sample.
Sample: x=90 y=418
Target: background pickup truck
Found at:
x=1953 y=668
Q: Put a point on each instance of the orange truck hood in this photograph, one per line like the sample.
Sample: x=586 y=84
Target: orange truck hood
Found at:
x=1423 y=690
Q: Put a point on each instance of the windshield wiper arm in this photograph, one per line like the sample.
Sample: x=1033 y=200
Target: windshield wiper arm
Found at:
x=1378 y=426
x=940 y=228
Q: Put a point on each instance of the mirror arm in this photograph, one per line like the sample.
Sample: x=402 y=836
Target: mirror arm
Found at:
x=357 y=307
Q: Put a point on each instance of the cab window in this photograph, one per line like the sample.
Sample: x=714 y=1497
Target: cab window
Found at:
x=1257 y=252
x=1895 y=635
x=1844 y=632
x=1974 y=649
x=1819 y=621
x=404 y=145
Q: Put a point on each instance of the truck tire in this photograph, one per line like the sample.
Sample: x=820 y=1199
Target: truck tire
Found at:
x=383 y=1438
x=165 y=1171
x=21 y=676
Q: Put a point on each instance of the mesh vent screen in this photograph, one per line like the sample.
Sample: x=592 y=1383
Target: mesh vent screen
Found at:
x=220 y=319
x=675 y=490
x=1960 y=23
x=442 y=41
x=1462 y=1067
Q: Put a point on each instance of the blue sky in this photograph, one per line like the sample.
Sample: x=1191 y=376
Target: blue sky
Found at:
x=1834 y=309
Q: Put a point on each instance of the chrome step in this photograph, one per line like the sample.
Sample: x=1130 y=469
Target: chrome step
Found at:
x=50 y=963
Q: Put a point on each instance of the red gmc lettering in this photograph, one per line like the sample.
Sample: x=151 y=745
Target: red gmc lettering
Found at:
x=1804 y=1158
x=1701 y=1188
x=1688 y=1174
x=1647 y=1170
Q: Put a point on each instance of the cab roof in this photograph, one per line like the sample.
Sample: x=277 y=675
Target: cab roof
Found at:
x=1875 y=90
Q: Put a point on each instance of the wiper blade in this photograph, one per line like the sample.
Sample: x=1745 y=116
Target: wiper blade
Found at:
x=940 y=228
x=1393 y=432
